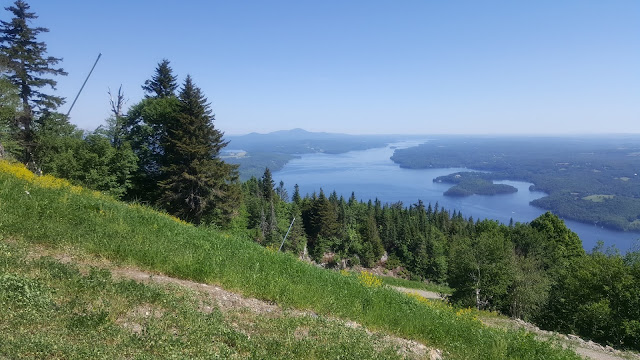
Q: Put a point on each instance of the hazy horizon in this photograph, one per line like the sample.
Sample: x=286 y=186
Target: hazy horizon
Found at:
x=368 y=67
x=575 y=134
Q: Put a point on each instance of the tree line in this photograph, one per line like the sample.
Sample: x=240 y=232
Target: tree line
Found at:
x=165 y=152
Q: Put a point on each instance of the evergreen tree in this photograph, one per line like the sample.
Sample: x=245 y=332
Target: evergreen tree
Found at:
x=297 y=239
x=146 y=131
x=26 y=63
x=198 y=184
x=267 y=185
x=9 y=103
x=296 y=194
x=163 y=83
x=281 y=191
x=146 y=128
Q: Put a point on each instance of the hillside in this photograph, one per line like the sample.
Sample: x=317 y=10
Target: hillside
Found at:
x=55 y=214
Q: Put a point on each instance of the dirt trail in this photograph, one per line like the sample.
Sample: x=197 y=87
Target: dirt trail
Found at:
x=424 y=293
x=226 y=301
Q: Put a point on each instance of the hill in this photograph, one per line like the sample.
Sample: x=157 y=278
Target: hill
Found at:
x=55 y=214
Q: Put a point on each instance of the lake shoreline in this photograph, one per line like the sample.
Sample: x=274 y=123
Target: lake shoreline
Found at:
x=371 y=174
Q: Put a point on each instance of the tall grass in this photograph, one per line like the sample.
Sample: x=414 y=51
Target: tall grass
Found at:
x=61 y=215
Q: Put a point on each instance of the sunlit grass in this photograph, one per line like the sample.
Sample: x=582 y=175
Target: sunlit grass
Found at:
x=58 y=310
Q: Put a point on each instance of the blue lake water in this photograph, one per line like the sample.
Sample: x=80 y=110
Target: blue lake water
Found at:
x=371 y=174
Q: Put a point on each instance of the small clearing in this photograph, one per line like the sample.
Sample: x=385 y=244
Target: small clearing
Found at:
x=598 y=197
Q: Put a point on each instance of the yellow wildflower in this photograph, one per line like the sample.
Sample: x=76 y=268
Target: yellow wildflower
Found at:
x=369 y=280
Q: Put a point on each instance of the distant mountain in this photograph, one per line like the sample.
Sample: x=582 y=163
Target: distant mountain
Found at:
x=300 y=141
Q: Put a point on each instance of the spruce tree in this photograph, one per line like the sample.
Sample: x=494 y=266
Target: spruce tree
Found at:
x=26 y=64
x=146 y=130
x=267 y=185
x=163 y=84
x=198 y=184
x=296 y=194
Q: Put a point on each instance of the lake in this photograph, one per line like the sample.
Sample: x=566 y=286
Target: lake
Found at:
x=371 y=174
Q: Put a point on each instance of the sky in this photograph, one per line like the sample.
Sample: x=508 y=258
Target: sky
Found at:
x=362 y=66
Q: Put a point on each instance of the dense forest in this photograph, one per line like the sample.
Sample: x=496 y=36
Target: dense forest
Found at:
x=166 y=152
x=589 y=179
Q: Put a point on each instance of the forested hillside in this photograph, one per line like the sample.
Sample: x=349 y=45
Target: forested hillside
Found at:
x=589 y=179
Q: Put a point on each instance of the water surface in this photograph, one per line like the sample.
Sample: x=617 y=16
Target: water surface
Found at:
x=370 y=174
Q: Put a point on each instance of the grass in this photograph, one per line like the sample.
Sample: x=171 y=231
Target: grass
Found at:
x=57 y=310
x=40 y=211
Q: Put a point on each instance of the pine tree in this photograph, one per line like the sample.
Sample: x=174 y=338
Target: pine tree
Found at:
x=282 y=193
x=297 y=240
x=198 y=184
x=163 y=84
x=267 y=185
x=146 y=128
x=296 y=194
x=26 y=64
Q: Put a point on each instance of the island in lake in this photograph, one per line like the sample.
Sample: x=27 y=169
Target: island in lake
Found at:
x=589 y=179
x=473 y=183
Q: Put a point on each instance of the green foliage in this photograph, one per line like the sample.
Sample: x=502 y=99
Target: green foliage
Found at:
x=597 y=296
x=560 y=244
x=529 y=290
x=25 y=63
x=163 y=84
x=483 y=270
x=196 y=183
x=21 y=291
x=89 y=160
x=9 y=108
x=146 y=131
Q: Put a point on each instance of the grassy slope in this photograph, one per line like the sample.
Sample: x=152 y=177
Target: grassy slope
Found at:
x=41 y=211
x=59 y=310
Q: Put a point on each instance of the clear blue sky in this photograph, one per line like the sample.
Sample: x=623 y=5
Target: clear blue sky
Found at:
x=429 y=67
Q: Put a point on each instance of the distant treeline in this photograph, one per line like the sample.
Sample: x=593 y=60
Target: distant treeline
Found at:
x=569 y=170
